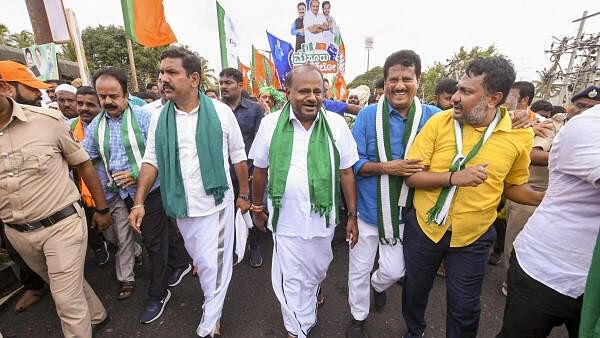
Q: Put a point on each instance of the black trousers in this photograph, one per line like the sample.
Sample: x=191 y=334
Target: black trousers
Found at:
x=95 y=238
x=533 y=309
x=500 y=226
x=465 y=269
x=163 y=243
x=30 y=279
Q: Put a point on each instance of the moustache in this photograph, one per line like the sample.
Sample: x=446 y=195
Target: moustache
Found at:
x=110 y=106
x=457 y=106
x=167 y=86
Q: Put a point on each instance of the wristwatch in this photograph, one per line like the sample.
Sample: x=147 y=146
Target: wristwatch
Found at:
x=103 y=211
x=245 y=197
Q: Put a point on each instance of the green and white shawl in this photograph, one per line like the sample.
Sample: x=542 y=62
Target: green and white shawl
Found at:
x=392 y=191
x=439 y=212
x=131 y=137
x=323 y=162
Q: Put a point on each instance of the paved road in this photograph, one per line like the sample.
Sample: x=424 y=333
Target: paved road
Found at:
x=251 y=309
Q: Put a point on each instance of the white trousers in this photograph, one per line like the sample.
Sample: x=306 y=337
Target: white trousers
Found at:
x=361 y=260
x=209 y=241
x=298 y=268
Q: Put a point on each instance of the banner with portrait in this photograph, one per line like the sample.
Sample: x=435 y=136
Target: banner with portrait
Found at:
x=41 y=60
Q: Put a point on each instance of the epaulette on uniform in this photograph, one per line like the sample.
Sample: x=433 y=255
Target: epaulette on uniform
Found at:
x=56 y=114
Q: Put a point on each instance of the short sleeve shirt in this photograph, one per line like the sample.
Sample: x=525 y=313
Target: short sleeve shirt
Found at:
x=474 y=208
x=36 y=150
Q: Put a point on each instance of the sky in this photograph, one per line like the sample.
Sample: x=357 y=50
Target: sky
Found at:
x=521 y=30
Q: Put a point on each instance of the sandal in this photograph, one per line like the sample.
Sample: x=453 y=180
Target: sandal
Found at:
x=126 y=290
x=320 y=298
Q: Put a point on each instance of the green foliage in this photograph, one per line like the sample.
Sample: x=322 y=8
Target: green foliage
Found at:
x=369 y=78
x=22 y=39
x=4 y=35
x=452 y=68
x=105 y=46
x=68 y=52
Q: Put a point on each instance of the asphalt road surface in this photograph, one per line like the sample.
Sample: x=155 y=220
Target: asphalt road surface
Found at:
x=251 y=309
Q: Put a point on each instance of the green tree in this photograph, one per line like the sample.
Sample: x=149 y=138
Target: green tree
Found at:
x=453 y=68
x=68 y=52
x=22 y=39
x=369 y=78
x=4 y=35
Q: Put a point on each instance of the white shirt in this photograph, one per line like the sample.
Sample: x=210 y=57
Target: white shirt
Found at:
x=295 y=216
x=329 y=36
x=154 y=107
x=309 y=20
x=557 y=243
x=198 y=202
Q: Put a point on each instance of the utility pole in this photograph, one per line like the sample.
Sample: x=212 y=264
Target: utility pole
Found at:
x=563 y=90
x=368 y=47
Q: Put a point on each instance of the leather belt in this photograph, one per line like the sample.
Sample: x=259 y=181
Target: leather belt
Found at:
x=46 y=222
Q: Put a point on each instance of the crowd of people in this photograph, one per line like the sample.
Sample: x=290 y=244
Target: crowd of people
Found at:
x=481 y=175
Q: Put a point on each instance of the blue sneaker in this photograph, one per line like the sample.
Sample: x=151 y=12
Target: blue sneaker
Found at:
x=178 y=274
x=102 y=255
x=154 y=309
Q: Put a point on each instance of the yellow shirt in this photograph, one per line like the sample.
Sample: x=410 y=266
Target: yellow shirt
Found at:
x=473 y=209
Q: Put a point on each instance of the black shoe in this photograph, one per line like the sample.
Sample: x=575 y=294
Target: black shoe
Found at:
x=154 y=309
x=101 y=255
x=256 y=259
x=495 y=258
x=379 y=299
x=178 y=274
x=98 y=326
x=356 y=329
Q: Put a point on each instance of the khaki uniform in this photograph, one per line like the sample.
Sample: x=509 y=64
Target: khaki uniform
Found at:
x=35 y=151
x=518 y=214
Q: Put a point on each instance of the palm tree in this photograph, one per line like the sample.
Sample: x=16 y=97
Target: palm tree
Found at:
x=68 y=52
x=4 y=35
x=22 y=40
x=209 y=80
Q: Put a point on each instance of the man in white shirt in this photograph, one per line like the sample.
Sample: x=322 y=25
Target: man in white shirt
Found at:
x=305 y=152
x=156 y=106
x=332 y=28
x=315 y=24
x=553 y=253
x=188 y=147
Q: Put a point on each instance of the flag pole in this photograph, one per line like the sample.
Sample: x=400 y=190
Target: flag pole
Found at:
x=134 y=80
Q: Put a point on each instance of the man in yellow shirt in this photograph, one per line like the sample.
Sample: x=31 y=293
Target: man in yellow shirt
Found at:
x=472 y=156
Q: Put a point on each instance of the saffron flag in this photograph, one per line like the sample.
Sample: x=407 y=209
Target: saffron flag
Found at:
x=245 y=75
x=281 y=52
x=339 y=90
x=145 y=23
x=262 y=73
x=341 y=55
x=228 y=39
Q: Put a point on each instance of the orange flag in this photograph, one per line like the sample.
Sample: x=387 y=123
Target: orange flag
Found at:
x=341 y=90
x=245 y=74
x=263 y=73
x=145 y=23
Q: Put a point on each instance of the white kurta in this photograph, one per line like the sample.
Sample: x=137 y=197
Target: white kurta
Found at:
x=208 y=229
x=296 y=276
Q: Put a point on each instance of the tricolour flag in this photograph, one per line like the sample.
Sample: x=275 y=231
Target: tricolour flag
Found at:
x=145 y=23
x=281 y=52
x=228 y=39
x=263 y=72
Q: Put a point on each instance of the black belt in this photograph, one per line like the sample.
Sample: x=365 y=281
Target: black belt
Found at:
x=46 y=222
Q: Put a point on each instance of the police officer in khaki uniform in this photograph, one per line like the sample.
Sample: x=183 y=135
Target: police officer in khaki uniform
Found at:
x=39 y=202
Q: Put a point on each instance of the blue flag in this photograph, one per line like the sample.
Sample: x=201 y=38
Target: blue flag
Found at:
x=281 y=51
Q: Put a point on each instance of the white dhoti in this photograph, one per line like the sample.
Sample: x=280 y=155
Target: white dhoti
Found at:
x=361 y=260
x=209 y=241
x=299 y=267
